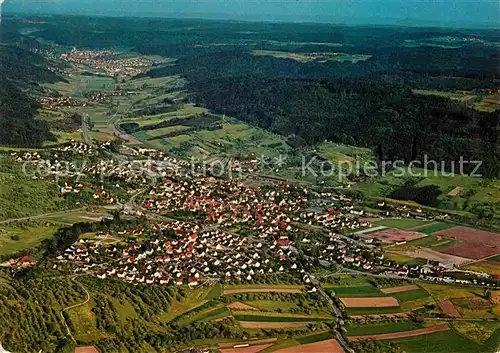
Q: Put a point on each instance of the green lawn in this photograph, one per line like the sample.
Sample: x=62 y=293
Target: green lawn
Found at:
x=404 y=260
x=82 y=321
x=15 y=238
x=402 y=223
x=436 y=227
x=215 y=292
x=410 y=295
x=384 y=327
x=495 y=258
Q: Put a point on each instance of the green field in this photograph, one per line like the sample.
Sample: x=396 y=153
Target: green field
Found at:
x=15 y=238
x=404 y=260
x=383 y=327
x=430 y=241
x=360 y=291
x=433 y=228
x=215 y=292
x=439 y=342
x=401 y=223
x=337 y=153
x=410 y=295
x=475 y=191
x=205 y=315
x=23 y=197
x=373 y=311
x=495 y=258
x=271 y=305
x=268 y=317
x=317 y=337
x=83 y=323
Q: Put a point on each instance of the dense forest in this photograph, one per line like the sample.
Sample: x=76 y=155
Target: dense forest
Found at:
x=20 y=71
x=398 y=124
x=367 y=103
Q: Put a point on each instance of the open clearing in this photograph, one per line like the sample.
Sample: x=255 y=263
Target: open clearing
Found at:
x=395 y=235
x=400 y=289
x=308 y=57
x=328 y=346
x=388 y=336
x=471 y=235
x=373 y=302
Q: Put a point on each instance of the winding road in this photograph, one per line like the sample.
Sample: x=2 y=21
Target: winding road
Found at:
x=74 y=306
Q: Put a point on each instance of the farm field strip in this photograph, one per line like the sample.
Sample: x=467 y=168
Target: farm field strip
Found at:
x=272 y=325
x=471 y=251
x=470 y=235
x=412 y=333
x=330 y=346
x=250 y=342
x=356 y=329
x=400 y=289
x=449 y=309
x=249 y=349
x=275 y=317
x=393 y=235
x=370 y=302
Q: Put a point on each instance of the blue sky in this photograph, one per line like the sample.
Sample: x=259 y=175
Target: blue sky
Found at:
x=436 y=12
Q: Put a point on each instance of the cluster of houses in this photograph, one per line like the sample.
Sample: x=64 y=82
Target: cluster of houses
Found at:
x=51 y=103
x=109 y=62
x=179 y=253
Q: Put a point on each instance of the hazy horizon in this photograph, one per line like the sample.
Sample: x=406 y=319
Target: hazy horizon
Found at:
x=459 y=13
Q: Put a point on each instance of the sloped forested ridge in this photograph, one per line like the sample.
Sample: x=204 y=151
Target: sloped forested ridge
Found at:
x=387 y=117
x=20 y=70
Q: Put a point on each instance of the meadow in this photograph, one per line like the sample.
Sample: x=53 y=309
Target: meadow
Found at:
x=382 y=327
x=402 y=223
x=439 y=342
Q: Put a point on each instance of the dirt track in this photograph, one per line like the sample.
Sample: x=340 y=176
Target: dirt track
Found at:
x=374 y=302
x=390 y=336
